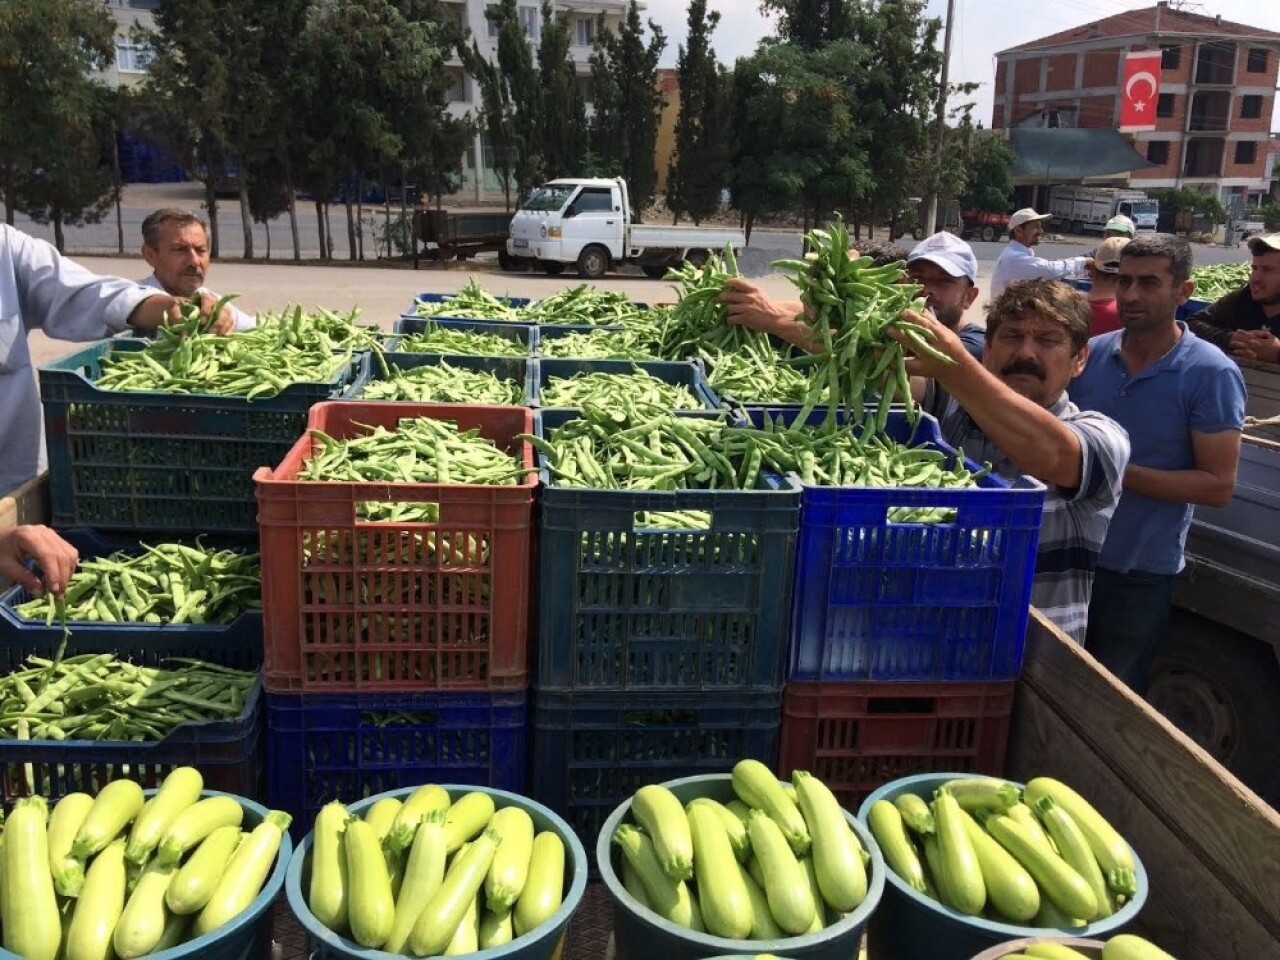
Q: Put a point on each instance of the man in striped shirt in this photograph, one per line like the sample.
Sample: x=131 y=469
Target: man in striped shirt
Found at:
x=1012 y=411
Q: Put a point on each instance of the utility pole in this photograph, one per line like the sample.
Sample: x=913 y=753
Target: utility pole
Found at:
x=940 y=122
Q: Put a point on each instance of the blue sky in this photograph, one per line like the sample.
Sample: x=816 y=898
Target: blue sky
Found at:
x=982 y=28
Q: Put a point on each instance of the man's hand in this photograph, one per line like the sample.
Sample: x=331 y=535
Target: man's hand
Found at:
x=922 y=326
x=55 y=558
x=165 y=310
x=749 y=306
x=1255 y=345
x=222 y=324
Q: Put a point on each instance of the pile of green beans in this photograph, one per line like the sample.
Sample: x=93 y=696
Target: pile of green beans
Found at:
x=460 y=343
x=851 y=306
x=321 y=330
x=472 y=302
x=170 y=583
x=700 y=322
x=641 y=388
x=585 y=306
x=97 y=697
x=601 y=345
x=419 y=450
x=748 y=378
x=1215 y=282
x=444 y=383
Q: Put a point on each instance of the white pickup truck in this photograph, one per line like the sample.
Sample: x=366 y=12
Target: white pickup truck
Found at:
x=588 y=223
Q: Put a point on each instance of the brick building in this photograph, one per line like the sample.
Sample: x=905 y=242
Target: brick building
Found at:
x=1217 y=94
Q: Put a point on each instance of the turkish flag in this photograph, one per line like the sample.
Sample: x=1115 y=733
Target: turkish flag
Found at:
x=1141 y=91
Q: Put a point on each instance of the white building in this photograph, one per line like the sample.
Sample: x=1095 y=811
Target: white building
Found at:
x=132 y=58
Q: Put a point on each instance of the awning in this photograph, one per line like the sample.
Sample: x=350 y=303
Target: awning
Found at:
x=1064 y=154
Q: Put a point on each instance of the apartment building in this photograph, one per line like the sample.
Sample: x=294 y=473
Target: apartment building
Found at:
x=1217 y=95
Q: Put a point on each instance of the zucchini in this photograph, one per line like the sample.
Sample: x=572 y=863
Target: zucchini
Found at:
x=658 y=812
x=885 y=822
x=145 y=916
x=916 y=815
x=738 y=809
x=733 y=826
x=195 y=823
x=1058 y=882
x=811 y=878
x=382 y=816
x=113 y=809
x=510 y=868
x=984 y=793
x=961 y=878
x=242 y=881
x=1048 y=950
x=1074 y=848
x=328 y=891
x=756 y=786
x=668 y=898
x=1051 y=917
x=1115 y=857
x=632 y=884
x=837 y=852
x=1126 y=946
x=371 y=908
x=180 y=790
x=722 y=896
x=466 y=818
x=466 y=939
x=1027 y=817
x=423 y=874
x=99 y=905
x=1010 y=889
x=763 y=926
x=422 y=801
x=194 y=882
x=935 y=879
x=544 y=891
x=444 y=912
x=495 y=929
x=32 y=924
x=64 y=823
x=786 y=887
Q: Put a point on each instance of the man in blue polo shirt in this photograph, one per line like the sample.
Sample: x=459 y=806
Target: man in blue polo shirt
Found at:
x=1182 y=402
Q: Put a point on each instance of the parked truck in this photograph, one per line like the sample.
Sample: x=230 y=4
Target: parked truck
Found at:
x=1081 y=209
x=589 y=223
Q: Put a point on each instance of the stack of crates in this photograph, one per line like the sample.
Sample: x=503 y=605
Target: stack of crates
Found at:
x=907 y=638
x=660 y=652
x=396 y=652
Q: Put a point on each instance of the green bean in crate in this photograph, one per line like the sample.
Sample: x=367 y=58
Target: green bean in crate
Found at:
x=443 y=382
x=584 y=305
x=629 y=344
x=457 y=342
x=472 y=302
x=640 y=388
x=751 y=378
x=1217 y=280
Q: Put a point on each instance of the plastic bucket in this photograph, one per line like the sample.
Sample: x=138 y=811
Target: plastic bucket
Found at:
x=544 y=943
x=640 y=934
x=1090 y=948
x=910 y=925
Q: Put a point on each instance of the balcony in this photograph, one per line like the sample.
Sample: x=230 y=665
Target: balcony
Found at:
x=1215 y=64
x=1203 y=157
x=1210 y=112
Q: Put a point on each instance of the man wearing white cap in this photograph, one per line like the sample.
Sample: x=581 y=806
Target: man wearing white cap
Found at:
x=1120 y=226
x=1246 y=322
x=944 y=265
x=1018 y=262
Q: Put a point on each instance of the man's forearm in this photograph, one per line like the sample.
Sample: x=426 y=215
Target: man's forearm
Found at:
x=788 y=326
x=1179 y=486
x=152 y=312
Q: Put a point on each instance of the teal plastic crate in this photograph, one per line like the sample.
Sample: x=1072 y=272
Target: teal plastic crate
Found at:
x=681 y=373
x=523 y=334
x=161 y=462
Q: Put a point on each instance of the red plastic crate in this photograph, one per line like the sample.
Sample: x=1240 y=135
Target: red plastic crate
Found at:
x=355 y=605
x=859 y=736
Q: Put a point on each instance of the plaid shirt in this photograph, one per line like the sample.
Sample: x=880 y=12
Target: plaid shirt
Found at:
x=1075 y=522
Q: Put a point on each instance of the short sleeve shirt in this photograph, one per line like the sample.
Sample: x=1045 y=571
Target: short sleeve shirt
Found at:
x=1194 y=387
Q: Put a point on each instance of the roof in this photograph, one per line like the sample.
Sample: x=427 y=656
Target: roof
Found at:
x=1140 y=23
x=1063 y=154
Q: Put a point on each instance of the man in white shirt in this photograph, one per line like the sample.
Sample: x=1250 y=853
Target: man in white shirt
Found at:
x=1018 y=262
x=175 y=244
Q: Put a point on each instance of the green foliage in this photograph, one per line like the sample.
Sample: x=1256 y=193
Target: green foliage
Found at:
x=1185 y=200
x=812 y=23
x=628 y=103
x=988 y=173
x=562 y=121
x=515 y=61
x=700 y=168
x=1269 y=213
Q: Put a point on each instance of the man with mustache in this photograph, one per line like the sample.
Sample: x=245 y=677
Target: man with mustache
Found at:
x=1246 y=323
x=1182 y=402
x=175 y=244
x=1011 y=410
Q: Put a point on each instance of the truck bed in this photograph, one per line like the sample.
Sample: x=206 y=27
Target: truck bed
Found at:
x=709 y=238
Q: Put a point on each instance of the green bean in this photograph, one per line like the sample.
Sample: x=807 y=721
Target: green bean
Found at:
x=444 y=383
x=630 y=344
x=1216 y=281
x=584 y=306
x=749 y=378
x=470 y=303
x=462 y=343
x=699 y=321
x=641 y=387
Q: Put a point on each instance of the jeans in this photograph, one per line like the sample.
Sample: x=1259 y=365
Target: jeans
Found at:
x=1128 y=613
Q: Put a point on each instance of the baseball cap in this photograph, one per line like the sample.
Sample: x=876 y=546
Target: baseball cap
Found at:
x=949 y=252
x=1267 y=244
x=1026 y=215
x=1120 y=224
x=1107 y=257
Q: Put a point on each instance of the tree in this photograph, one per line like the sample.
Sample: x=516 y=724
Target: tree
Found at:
x=628 y=103
x=495 y=115
x=48 y=49
x=989 y=174
x=812 y=23
x=700 y=168
x=562 y=120
x=515 y=62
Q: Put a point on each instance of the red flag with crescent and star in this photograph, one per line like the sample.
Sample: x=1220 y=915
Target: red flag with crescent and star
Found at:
x=1141 y=91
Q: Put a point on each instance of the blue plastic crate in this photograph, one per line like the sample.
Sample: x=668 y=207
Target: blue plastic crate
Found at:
x=322 y=747
x=522 y=333
x=593 y=750
x=663 y=610
x=683 y=373
x=160 y=462
x=876 y=600
x=523 y=370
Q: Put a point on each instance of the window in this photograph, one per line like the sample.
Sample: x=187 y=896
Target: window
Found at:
x=1158 y=151
x=1257 y=62
x=1246 y=151
x=1170 y=58
x=1250 y=107
x=587 y=87
x=457 y=87
x=586 y=32
x=490 y=13
x=1164 y=107
x=132 y=57
x=531 y=20
x=594 y=200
